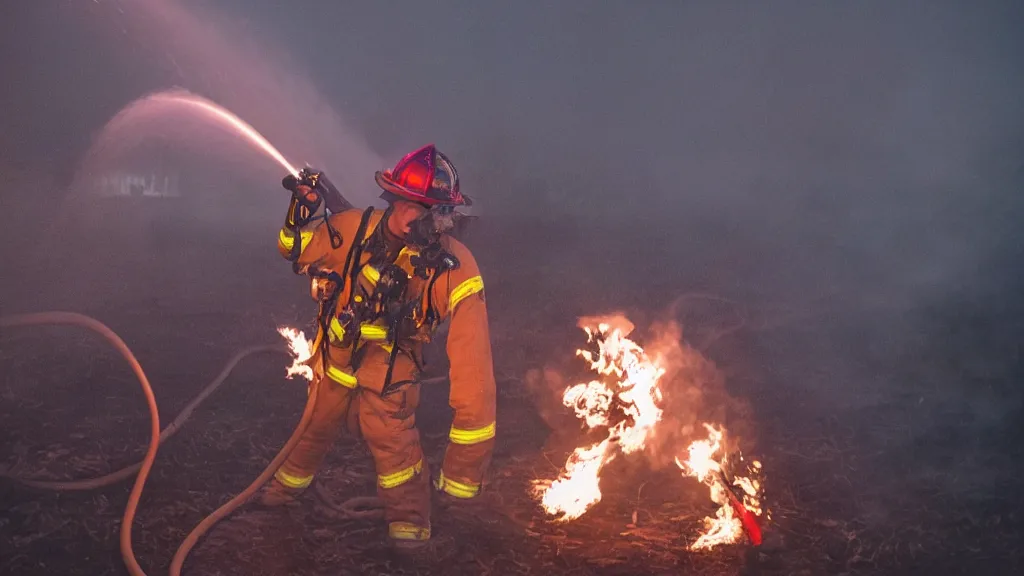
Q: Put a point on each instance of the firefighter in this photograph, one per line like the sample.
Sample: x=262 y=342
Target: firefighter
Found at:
x=385 y=280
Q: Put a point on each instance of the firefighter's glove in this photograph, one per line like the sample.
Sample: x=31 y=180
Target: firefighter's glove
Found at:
x=306 y=194
x=306 y=202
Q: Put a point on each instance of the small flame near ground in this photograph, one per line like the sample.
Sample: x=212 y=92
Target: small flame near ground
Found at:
x=707 y=462
x=625 y=401
x=302 y=351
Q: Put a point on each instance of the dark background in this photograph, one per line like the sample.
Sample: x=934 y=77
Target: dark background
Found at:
x=848 y=174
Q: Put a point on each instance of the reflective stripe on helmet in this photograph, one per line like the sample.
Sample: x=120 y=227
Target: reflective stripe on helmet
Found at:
x=464 y=290
x=294 y=482
x=396 y=479
x=474 y=436
x=456 y=489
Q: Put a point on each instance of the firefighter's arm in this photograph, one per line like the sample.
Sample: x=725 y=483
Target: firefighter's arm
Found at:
x=472 y=397
x=305 y=239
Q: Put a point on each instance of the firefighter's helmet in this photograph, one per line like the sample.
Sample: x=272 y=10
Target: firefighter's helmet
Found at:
x=426 y=176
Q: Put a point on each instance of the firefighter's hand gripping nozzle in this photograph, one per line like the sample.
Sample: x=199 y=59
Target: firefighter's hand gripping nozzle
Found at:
x=319 y=187
x=311 y=190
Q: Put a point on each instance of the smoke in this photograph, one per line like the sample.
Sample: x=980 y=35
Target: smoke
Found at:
x=217 y=59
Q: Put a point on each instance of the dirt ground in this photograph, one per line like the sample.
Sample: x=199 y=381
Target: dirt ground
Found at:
x=880 y=459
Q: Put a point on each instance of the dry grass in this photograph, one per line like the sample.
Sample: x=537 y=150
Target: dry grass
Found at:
x=849 y=492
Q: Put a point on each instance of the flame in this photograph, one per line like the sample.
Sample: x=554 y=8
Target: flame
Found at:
x=629 y=394
x=708 y=463
x=301 y=349
x=576 y=490
x=626 y=401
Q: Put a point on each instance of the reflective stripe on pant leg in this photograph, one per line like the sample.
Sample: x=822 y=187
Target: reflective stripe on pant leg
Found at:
x=294 y=482
x=472 y=436
x=330 y=411
x=396 y=479
x=388 y=425
x=457 y=489
x=408 y=531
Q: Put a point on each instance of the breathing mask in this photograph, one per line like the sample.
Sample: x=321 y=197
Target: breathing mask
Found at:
x=426 y=230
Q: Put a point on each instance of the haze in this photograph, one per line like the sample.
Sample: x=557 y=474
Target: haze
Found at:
x=849 y=173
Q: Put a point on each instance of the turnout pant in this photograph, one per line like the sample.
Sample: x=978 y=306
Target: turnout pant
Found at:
x=388 y=425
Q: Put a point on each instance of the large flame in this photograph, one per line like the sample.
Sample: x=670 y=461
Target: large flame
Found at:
x=629 y=393
x=301 y=349
x=626 y=401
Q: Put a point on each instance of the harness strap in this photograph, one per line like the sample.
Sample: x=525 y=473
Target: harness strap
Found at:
x=329 y=308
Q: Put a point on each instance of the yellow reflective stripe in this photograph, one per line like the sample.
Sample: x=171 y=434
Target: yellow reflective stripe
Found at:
x=401 y=477
x=387 y=347
x=337 y=330
x=294 y=482
x=343 y=378
x=465 y=290
x=475 y=436
x=371 y=274
x=373 y=332
x=408 y=531
x=457 y=489
x=287 y=239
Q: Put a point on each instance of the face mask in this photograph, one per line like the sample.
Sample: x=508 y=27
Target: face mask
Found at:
x=428 y=228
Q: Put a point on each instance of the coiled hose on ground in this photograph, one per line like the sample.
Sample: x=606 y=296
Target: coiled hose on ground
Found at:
x=351 y=507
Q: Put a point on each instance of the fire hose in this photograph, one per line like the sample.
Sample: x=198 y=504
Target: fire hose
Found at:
x=350 y=507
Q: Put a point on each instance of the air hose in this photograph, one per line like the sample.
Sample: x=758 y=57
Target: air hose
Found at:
x=157 y=437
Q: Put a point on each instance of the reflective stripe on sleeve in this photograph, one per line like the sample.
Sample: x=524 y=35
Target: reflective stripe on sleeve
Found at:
x=294 y=482
x=475 y=436
x=396 y=479
x=457 y=489
x=286 y=239
x=345 y=379
x=464 y=290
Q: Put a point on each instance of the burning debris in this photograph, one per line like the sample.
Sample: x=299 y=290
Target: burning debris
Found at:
x=737 y=513
x=624 y=404
x=628 y=409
